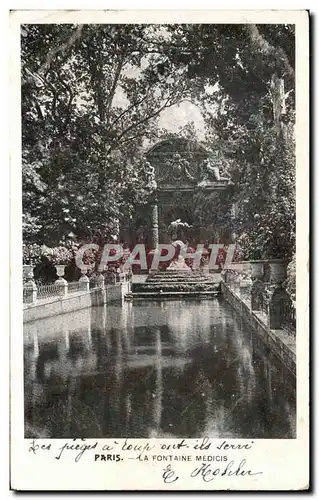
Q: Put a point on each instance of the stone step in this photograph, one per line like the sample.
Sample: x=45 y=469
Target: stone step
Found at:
x=187 y=275
x=176 y=273
x=168 y=283
x=171 y=295
x=201 y=279
x=175 y=287
x=171 y=282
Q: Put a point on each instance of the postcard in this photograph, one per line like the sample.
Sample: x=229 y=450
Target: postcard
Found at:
x=159 y=165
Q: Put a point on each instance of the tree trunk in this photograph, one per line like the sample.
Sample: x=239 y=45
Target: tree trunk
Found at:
x=279 y=104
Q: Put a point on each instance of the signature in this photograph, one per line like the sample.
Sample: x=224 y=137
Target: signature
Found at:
x=207 y=473
x=169 y=475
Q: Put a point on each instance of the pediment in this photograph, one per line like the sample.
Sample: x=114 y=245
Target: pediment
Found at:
x=177 y=161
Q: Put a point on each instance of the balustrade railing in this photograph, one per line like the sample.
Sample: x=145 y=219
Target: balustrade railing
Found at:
x=27 y=296
x=289 y=317
x=74 y=286
x=94 y=283
x=110 y=278
x=33 y=292
x=270 y=299
x=48 y=291
x=264 y=302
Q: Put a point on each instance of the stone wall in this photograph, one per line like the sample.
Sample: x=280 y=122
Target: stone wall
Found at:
x=46 y=328
x=74 y=302
x=278 y=341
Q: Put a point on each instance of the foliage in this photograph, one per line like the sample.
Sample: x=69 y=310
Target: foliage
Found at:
x=31 y=253
x=243 y=79
x=290 y=283
x=57 y=255
x=90 y=98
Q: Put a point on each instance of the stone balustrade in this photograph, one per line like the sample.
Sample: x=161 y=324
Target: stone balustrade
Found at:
x=53 y=300
x=270 y=271
x=260 y=286
x=33 y=293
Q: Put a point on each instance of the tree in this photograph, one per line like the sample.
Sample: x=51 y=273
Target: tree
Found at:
x=90 y=98
x=243 y=77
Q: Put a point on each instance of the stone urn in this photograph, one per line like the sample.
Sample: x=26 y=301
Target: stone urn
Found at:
x=60 y=270
x=278 y=270
x=257 y=269
x=63 y=284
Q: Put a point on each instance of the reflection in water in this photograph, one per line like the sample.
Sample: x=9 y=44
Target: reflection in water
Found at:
x=154 y=369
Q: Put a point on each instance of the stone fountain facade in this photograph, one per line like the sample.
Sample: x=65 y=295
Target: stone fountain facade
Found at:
x=182 y=169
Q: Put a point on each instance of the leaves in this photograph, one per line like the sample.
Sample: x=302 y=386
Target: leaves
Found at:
x=250 y=128
x=91 y=96
x=88 y=105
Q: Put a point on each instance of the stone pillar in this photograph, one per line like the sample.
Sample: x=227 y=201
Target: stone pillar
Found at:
x=125 y=230
x=154 y=224
x=278 y=270
x=278 y=301
x=63 y=286
x=257 y=269
x=30 y=290
x=256 y=292
x=100 y=281
x=245 y=288
x=236 y=283
x=99 y=295
x=61 y=282
x=85 y=283
x=116 y=228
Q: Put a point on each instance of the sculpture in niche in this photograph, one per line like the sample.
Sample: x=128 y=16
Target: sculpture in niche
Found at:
x=178 y=229
x=150 y=172
x=210 y=173
x=178 y=169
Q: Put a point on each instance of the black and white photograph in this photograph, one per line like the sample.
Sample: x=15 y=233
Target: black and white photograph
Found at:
x=158 y=260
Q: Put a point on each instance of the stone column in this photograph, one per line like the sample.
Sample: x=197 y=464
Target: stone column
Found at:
x=63 y=286
x=125 y=230
x=154 y=224
x=278 y=270
x=61 y=282
x=100 y=281
x=85 y=283
x=99 y=297
x=30 y=292
x=30 y=288
x=245 y=288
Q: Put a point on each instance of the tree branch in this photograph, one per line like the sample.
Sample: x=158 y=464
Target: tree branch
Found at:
x=147 y=118
x=266 y=48
x=59 y=48
x=71 y=97
x=44 y=82
x=38 y=108
x=128 y=139
x=134 y=105
x=115 y=82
